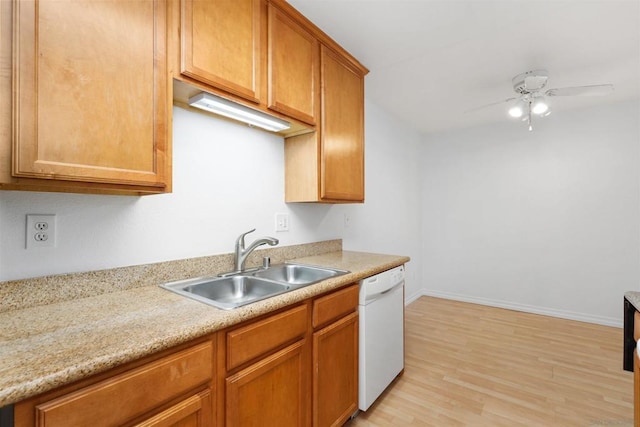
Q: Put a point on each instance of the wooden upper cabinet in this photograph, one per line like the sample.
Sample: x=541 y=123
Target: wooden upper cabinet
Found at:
x=328 y=165
x=221 y=45
x=91 y=89
x=293 y=67
x=342 y=129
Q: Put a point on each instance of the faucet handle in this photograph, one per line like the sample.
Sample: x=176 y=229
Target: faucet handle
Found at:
x=240 y=239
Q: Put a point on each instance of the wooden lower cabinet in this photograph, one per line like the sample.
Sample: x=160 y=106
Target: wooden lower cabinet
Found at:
x=271 y=392
x=335 y=372
x=303 y=369
x=195 y=411
x=267 y=371
x=259 y=338
x=174 y=390
x=297 y=367
x=335 y=357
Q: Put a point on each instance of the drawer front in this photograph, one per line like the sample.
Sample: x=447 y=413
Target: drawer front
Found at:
x=256 y=339
x=116 y=400
x=636 y=326
x=335 y=305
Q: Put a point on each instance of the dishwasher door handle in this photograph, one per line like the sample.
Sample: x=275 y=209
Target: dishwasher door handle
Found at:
x=392 y=288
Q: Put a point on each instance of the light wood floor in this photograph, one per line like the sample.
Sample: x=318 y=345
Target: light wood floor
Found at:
x=472 y=365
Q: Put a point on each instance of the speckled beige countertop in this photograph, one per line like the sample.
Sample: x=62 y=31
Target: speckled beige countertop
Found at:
x=63 y=339
x=634 y=298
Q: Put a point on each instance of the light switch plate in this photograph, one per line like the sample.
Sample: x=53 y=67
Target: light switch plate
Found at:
x=282 y=222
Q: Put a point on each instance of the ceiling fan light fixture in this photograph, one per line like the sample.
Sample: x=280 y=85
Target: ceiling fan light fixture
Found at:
x=539 y=106
x=531 y=98
x=518 y=109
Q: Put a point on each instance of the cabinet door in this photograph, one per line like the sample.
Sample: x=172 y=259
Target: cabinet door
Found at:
x=335 y=373
x=293 y=67
x=221 y=44
x=342 y=119
x=271 y=392
x=195 y=411
x=91 y=85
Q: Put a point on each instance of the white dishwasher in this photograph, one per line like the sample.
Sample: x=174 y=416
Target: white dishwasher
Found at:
x=381 y=353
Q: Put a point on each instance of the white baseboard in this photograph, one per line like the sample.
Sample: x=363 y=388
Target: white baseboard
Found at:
x=582 y=317
x=408 y=299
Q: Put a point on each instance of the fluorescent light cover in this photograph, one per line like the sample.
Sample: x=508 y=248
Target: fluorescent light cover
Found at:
x=224 y=107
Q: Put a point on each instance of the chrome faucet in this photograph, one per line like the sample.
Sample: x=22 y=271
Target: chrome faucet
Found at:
x=242 y=253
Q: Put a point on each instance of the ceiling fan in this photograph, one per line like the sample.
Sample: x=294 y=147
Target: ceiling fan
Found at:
x=532 y=98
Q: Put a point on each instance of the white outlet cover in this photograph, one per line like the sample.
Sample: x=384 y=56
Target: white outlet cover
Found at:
x=40 y=231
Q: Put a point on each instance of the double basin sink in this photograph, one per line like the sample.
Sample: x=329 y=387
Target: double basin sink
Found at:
x=248 y=287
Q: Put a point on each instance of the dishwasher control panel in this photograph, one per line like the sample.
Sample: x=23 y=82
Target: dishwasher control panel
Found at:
x=397 y=274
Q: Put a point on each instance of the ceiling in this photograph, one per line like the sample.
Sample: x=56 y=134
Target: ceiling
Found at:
x=431 y=60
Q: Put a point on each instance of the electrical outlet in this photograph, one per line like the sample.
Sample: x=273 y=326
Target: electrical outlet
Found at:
x=282 y=222
x=41 y=231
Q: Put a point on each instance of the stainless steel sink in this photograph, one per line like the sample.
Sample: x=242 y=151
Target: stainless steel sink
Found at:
x=248 y=287
x=298 y=274
x=227 y=292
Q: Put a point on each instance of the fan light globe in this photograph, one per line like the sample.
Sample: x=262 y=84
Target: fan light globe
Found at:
x=539 y=106
x=517 y=110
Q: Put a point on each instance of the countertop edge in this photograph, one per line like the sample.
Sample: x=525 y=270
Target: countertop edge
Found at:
x=634 y=298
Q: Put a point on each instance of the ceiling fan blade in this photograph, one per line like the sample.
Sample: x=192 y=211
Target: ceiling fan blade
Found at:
x=489 y=105
x=594 y=90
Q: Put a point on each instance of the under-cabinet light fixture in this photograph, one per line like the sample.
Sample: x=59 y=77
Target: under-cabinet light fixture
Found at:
x=224 y=107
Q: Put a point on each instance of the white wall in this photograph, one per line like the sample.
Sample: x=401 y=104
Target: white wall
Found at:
x=545 y=221
x=228 y=178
